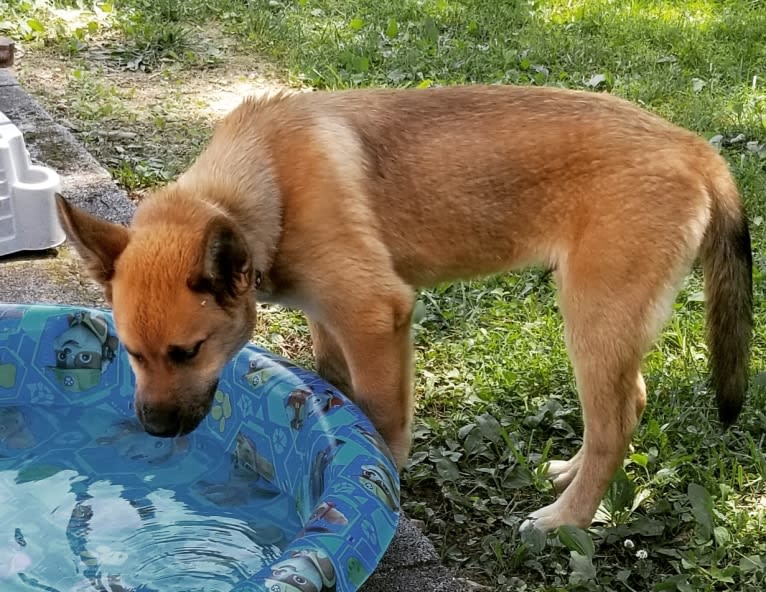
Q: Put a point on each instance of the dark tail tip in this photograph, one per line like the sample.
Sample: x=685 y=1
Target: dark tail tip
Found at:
x=727 y=263
x=728 y=411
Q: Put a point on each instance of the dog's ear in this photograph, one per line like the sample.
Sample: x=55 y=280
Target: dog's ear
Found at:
x=224 y=268
x=97 y=241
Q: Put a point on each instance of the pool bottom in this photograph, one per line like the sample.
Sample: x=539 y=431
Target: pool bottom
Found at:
x=63 y=531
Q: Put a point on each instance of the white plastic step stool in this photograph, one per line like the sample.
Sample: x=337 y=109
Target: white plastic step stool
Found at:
x=28 y=219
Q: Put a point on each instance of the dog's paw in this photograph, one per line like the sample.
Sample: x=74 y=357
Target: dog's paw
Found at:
x=533 y=538
x=529 y=527
x=561 y=472
x=556 y=468
x=559 y=513
x=543 y=520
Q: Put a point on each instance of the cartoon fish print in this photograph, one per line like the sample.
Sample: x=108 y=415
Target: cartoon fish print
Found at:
x=248 y=463
x=304 y=404
x=376 y=479
x=14 y=431
x=321 y=462
x=328 y=512
x=304 y=571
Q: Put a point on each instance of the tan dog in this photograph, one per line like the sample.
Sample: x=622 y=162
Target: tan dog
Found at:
x=342 y=204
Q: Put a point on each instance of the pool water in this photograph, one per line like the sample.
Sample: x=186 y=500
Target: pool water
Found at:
x=121 y=529
x=284 y=487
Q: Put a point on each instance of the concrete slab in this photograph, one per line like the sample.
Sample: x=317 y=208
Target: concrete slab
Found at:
x=55 y=277
x=411 y=564
x=7 y=79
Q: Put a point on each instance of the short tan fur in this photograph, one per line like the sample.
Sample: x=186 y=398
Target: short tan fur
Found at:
x=344 y=203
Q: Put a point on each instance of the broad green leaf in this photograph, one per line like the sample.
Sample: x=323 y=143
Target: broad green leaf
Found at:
x=648 y=527
x=518 y=478
x=582 y=568
x=674 y=583
x=638 y=499
x=577 y=540
x=392 y=29
x=698 y=84
x=360 y=64
x=445 y=467
x=725 y=575
x=619 y=496
x=685 y=586
x=640 y=459
x=534 y=539
x=465 y=430
x=596 y=80
x=490 y=427
x=751 y=563
x=702 y=508
x=36 y=25
x=721 y=536
x=417 y=458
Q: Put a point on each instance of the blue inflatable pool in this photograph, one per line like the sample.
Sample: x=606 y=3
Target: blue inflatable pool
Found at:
x=285 y=487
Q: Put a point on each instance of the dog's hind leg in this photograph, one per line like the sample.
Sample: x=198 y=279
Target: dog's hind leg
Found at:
x=611 y=398
x=613 y=307
x=330 y=361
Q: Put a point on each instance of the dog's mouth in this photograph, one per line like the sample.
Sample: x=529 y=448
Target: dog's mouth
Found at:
x=190 y=423
x=173 y=421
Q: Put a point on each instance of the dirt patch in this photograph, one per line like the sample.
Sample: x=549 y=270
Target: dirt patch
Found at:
x=145 y=127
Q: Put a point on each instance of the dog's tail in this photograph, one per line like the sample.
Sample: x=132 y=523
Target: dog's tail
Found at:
x=727 y=263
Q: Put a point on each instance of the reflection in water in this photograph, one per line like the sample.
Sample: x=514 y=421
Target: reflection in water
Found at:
x=63 y=532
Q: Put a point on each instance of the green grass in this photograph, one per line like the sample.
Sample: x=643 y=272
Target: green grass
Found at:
x=691 y=61
x=496 y=395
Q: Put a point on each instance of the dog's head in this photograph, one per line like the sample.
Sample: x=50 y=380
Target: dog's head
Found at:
x=181 y=287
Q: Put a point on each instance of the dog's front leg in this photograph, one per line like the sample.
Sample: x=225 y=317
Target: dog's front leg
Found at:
x=374 y=335
x=329 y=357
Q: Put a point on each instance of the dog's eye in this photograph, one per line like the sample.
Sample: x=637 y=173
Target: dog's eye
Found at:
x=136 y=356
x=180 y=354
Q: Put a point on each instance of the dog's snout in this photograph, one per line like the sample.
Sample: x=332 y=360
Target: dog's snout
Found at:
x=163 y=421
x=177 y=418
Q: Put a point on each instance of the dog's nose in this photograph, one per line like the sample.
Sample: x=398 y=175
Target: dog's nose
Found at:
x=163 y=421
